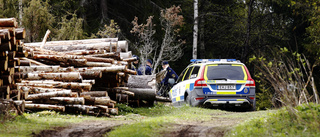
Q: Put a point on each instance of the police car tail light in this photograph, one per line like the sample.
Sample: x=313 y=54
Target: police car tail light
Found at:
x=250 y=83
x=200 y=83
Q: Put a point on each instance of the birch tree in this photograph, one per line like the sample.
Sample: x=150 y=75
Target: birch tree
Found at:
x=170 y=47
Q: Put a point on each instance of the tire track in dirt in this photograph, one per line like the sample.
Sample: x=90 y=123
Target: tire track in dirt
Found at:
x=84 y=129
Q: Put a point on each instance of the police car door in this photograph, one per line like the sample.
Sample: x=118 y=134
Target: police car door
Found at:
x=178 y=91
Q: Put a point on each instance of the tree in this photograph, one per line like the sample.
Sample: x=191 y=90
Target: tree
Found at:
x=37 y=20
x=70 y=29
x=110 y=31
x=170 y=47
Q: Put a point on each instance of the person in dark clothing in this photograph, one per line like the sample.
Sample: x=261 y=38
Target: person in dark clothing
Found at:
x=148 y=69
x=166 y=86
x=135 y=64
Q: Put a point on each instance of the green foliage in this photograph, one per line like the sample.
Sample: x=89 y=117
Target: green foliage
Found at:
x=306 y=122
x=37 y=19
x=9 y=8
x=109 y=31
x=70 y=29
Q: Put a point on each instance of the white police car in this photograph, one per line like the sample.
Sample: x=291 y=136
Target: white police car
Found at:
x=215 y=82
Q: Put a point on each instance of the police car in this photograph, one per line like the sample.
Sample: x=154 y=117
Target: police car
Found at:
x=213 y=83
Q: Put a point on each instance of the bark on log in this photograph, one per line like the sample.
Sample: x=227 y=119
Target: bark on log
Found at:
x=72 y=42
x=69 y=100
x=98 y=59
x=163 y=99
x=84 y=52
x=63 y=76
x=81 y=108
x=95 y=94
x=91 y=74
x=36 y=90
x=113 y=111
x=33 y=61
x=3 y=65
x=5 y=46
x=45 y=107
x=126 y=55
x=91 y=46
x=97 y=100
x=142 y=81
x=5 y=90
x=25 y=63
x=8 y=22
x=98 y=64
x=26 y=69
x=15 y=94
x=105 y=55
x=123 y=45
x=92 y=81
x=102 y=69
x=56 y=84
x=20 y=106
x=5 y=35
x=49 y=94
x=144 y=94
x=20 y=33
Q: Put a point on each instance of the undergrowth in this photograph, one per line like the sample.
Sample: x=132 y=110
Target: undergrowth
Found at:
x=304 y=122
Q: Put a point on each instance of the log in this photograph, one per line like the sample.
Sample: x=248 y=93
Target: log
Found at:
x=105 y=55
x=3 y=65
x=125 y=55
x=69 y=100
x=75 y=108
x=142 y=81
x=129 y=71
x=36 y=90
x=123 y=98
x=26 y=69
x=45 y=107
x=56 y=84
x=5 y=35
x=92 y=46
x=33 y=61
x=62 y=76
x=49 y=94
x=102 y=69
x=8 y=22
x=5 y=46
x=44 y=40
x=103 y=108
x=98 y=64
x=95 y=94
x=7 y=79
x=92 y=81
x=123 y=45
x=91 y=74
x=163 y=99
x=20 y=33
x=97 y=100
x=98 y=59
x=141 y=93
x=25 y=63
x=72 y=42
x=20 y=106
x=84 y=52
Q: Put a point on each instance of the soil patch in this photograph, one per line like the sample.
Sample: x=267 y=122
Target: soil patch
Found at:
x=84 y=129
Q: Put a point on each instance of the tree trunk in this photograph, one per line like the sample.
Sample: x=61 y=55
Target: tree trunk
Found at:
x=195 y=30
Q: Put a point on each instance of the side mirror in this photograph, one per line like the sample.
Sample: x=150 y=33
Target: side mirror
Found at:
x=171 y=81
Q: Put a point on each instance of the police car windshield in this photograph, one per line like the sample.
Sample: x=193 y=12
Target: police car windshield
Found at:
x=223 y=72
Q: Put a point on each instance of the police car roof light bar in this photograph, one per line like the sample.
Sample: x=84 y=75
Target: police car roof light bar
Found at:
x=212 y=60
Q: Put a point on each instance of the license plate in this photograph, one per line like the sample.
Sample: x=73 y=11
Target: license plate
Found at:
x=226 y=87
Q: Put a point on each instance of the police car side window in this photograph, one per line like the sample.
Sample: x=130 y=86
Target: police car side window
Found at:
x=195 y=71
x=187 y=76
x=181 y=75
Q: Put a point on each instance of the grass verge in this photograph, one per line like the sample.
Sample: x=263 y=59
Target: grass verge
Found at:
x=27 y=124
x=304 y=122
x=156 y=120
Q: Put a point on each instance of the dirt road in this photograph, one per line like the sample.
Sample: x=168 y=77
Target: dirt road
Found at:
x=217 y=126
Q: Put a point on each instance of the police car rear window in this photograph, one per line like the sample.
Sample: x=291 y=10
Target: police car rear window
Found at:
x=224 y=72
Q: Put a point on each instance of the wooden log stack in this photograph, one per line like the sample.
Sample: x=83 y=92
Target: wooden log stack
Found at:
x=75 y=76
x=11 y=48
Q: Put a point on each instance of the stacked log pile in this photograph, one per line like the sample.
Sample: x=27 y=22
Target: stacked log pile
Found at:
x=10 y=50
x=78 y=76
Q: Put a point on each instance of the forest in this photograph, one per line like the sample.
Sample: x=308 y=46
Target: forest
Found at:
x=277 y=40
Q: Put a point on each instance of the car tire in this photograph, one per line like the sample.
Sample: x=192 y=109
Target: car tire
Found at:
x=188 y=100
x=253 y=107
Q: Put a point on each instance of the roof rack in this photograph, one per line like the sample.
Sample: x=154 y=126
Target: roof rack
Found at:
x=213 y=60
